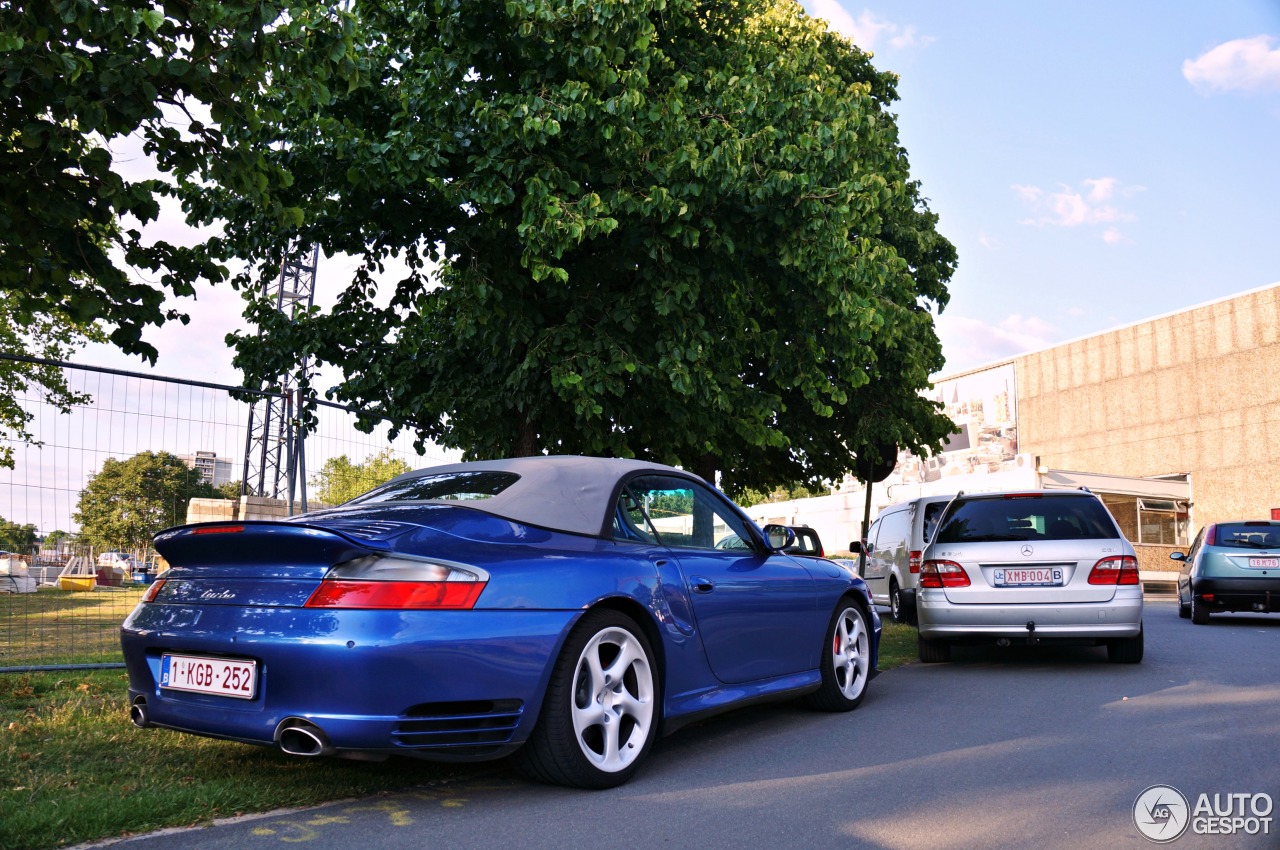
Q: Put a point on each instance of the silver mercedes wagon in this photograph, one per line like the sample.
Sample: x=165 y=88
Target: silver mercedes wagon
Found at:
x=1029 y=567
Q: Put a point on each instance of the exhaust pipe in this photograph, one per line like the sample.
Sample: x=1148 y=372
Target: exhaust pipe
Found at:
x=138 y=713
x=299 y=737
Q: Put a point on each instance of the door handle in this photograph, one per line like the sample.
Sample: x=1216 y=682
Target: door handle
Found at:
x=702 y=584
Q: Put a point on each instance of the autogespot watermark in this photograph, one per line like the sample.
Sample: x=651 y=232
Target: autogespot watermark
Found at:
x=1162 y=814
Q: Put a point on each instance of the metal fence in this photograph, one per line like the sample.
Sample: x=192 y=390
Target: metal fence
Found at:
x=48 y=622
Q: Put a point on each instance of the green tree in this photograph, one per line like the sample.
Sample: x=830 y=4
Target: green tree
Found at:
x=44 y=337
x=230 y=490
x=124 y=504
x=16 y=538
x=678 y=230
x=784 y=493
x=77 y=76
x=340 y=480
x=55 y=540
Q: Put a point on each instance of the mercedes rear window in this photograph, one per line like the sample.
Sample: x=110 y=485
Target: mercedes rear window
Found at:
x=447 y=486
x=1031 y=517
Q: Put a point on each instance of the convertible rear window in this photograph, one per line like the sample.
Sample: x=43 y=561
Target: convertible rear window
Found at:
x=1027 y=518
x=447 y=486
x=1247 y=535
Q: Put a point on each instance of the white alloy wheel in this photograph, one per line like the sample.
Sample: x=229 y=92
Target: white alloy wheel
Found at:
x=851 y=648
x=846 y=661
x=613 y=699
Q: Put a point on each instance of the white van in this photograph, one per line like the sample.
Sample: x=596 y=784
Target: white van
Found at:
x=895 y=543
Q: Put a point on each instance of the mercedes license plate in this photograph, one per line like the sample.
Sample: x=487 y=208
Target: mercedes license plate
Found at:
x=228 y=677
x=1029 y=577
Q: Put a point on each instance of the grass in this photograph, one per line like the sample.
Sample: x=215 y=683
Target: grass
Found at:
x=74 y=769
x=54 y=626
x=897 y=644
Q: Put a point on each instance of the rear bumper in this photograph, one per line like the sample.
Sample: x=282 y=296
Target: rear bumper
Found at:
x=939 y=619
x=441 y=685
x=1238 y=594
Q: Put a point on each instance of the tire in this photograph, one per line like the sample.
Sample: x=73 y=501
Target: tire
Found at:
x=933 y=651
x=895 y=602
x=1125 y=650
x=600 y=715
x=846 y=660
x=1199 y=613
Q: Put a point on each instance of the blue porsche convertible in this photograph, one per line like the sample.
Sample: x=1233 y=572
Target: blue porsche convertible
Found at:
x=566 y=609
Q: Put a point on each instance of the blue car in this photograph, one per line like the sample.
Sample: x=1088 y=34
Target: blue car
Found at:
x=566 y=609
x=1232 y=566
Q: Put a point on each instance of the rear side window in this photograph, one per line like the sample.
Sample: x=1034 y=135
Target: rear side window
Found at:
x=1247 y=535
x=446 y=486
x=932 y=513
x=1031 y=517
x=807 y=542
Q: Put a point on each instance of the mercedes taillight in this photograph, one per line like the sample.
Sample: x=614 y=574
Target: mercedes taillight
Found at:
x=1118 y=569
x=943 y=574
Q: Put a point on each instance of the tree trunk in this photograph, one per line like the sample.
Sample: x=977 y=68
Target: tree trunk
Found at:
x=706 y=468
x=526 y=440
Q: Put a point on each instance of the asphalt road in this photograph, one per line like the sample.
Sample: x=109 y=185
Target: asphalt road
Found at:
x=1045 y=748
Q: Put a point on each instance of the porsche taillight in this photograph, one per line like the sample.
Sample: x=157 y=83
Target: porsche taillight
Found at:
x=153 y=591
x=943 y=574
x=1118 y=569
x=397 y=582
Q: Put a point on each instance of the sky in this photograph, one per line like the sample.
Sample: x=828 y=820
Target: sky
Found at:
x=1095 y=163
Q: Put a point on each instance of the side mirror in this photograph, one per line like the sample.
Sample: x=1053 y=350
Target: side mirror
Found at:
x=779 y=537
x=855 y=546
x=1178 y=556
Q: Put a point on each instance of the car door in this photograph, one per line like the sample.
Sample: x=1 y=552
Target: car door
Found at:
x=1187 y=567
x=756 y=612
x=875 y=571
x=893 y=547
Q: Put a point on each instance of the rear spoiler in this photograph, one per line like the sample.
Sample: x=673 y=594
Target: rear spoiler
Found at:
x=210 y=543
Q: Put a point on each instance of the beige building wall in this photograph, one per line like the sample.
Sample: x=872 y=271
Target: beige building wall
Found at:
x=1196 y=391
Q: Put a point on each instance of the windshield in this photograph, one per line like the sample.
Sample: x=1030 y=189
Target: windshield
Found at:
x=1029 y=517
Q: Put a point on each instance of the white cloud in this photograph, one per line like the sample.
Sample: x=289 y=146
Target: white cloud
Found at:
x=907 y=37
x=867 y=30
x=989 y=242
x=1245 y=64
x=1091 y=204
x=970 y=342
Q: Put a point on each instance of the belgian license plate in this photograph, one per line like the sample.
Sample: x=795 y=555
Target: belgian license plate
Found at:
x=228 y=677
x=1264 y=562
x=1029 y=577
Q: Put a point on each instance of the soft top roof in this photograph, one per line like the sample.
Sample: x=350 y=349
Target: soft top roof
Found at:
x=563 y=492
